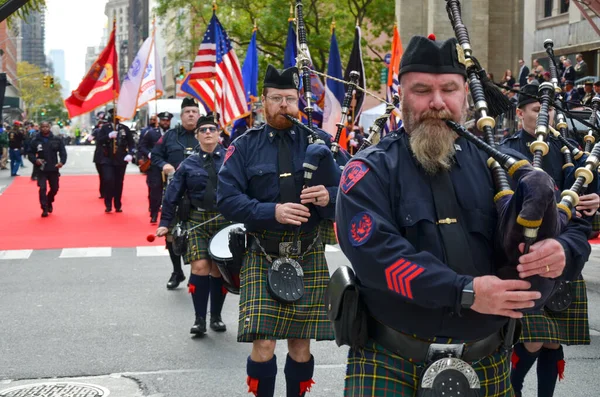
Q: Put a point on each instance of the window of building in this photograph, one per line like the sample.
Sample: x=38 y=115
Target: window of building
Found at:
x=120 y=10
x=564 y=6
x=548 y=8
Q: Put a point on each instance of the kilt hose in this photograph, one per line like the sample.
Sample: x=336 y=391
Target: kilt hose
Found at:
x=199 y=238
x=569 y=327
x=263 y=318
x=373 y=371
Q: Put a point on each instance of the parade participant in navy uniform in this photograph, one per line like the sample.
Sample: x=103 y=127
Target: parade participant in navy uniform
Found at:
x=261 y=185
x=154 y=178
x=117 y=152
x=170 y=150
x=48 y=154
x=428 y=282
x=196 y=177
x=101 y=118
x=15 y=145
x=545 y=330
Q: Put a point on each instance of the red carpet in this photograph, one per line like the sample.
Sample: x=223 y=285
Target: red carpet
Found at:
x=78 y=219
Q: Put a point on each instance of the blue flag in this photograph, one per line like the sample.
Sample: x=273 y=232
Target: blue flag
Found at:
x=289 y=58
x=250 y=78
x=334 y=91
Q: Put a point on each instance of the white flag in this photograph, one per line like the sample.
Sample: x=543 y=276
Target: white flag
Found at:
x=142 y=83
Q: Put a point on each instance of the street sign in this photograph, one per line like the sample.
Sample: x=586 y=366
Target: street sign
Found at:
x=384 y=75
x=388 y=58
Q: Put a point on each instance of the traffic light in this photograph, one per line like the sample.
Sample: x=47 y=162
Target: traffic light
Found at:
x=43 y=112
x=51 y=81
x=181 y=72
x=46 y=81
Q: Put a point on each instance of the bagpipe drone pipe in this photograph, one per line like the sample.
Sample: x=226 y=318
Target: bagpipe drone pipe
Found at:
x=379 y=123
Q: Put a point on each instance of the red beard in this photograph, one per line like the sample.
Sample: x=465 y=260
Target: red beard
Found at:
x=278 y=121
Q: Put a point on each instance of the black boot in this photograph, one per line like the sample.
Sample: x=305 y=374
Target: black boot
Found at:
x=153 y=218
x=522 y=361
x=199 y=327
x=175 y=280
x=44 y=213
x=261 y=377
x=216 y=324
x=550 y=367
x=298 y=376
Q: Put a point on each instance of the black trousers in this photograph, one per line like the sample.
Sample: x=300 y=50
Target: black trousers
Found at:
x=155 y=189
x=44 y=179
x=112 y=184
x=99 y=169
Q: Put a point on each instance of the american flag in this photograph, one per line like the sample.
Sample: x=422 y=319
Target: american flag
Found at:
x=217 y=71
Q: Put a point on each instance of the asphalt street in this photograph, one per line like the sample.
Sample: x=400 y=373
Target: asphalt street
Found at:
x=110 y=321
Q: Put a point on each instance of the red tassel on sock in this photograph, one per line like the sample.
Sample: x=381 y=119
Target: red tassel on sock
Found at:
x=224 y=291
x=561 y=369
x=514 y=359
x=305 y=386
x=252 y=385
x=191 y=288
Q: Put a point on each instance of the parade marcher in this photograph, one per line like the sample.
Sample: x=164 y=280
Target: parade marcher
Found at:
x=588 y=93
x=152 y=124
x=15 y=145
x=117 y=152
x=47 y=153
x=196 y=178
x=170 y=150
x=545 y=330
x=416 y=218
x=154 y=178
x=3 y=148
x=261 y=185
x=101 y=118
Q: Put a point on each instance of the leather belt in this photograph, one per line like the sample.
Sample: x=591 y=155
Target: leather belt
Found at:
x=416 y=350
x=271 y=247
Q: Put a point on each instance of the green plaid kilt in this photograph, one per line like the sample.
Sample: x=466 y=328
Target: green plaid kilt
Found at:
x=596 y=222
x=263 y=318
x=199 y=238
x=570 y=327
x=373 y=371
x=327 y=232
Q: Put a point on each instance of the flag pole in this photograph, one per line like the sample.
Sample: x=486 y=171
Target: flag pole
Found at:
x=214 y=79
x=115 y=99
x=154 y=34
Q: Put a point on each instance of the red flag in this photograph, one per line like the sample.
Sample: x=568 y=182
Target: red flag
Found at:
x=100 y=85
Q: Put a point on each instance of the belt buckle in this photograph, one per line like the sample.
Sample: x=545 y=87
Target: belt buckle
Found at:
x=286 y=248
x=440 y=350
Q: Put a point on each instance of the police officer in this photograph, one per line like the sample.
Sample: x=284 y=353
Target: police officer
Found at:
x=416 y=218
x=170 y=150
x=47 y=153
x=261 y=185
x=101 y=119
x=196 y=177
x=117 y=151
x=15 y=145
x=545 y=330
x=154 y=178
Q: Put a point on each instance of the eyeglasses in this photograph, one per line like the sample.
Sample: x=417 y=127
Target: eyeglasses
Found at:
x=207 y=129
x=291 y=100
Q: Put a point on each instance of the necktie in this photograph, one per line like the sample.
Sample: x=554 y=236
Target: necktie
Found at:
x=211 y=184
x=454 y=237
x=287 y=185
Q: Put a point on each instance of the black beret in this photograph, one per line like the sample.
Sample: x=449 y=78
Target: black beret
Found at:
x=287 y=79
x=531 y=89
x=189 y=101
x=426 y=55
x=208 y=119
x=165 y=115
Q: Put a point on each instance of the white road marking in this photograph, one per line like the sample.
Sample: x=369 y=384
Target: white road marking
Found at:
x=90 y=252
x=15 y=254
x=156 y=250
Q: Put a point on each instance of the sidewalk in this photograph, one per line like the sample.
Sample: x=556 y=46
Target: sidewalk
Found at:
x=591 y=271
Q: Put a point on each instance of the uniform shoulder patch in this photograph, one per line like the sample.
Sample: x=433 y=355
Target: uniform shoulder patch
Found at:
x=353 y=173
x=160 y=140
x=230 y=151
x=399 y=277
x=361 y=228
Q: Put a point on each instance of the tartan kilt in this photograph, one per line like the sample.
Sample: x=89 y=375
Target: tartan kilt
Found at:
x=263 y=318
x=570 y=327
x=373 y=371
x=327 y=232
x=596 y=222
x=199 y=238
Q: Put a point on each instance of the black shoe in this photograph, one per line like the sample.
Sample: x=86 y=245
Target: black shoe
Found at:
x=199 y=327
x=108 y=209
x=119 y=210
x=50 y=208
x=153 y=218
x=175 y=280
x=100 y=197
x=44 y=214
x=216 y=324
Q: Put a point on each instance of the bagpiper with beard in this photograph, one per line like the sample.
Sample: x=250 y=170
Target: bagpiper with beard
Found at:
x=261 y=185
x=154 y=178
x=416 y=218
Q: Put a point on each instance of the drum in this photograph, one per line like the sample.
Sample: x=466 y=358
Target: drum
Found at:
x=219 y=251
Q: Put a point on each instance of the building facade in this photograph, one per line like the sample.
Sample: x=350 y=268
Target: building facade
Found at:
x=572 y=26
x=9 y=42
x=139 y=25
x=33 y=35
x=495 y=28
x=118 y=10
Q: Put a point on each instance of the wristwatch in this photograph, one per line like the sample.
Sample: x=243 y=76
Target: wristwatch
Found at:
x=467 y=297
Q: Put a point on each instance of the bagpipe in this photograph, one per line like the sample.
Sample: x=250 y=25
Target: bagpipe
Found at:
x=379 y=123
